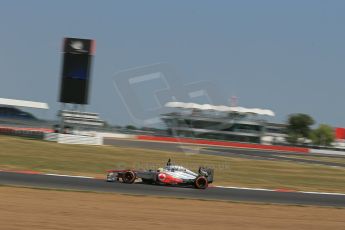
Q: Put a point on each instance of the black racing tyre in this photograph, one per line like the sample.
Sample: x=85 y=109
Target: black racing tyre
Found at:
x=201 y=182
x=129 y=177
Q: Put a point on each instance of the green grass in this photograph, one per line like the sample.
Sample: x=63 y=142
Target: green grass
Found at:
x=24 y=154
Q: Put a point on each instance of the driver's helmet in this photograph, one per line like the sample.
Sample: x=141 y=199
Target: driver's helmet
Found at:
x=160 y=170
x=174 y=168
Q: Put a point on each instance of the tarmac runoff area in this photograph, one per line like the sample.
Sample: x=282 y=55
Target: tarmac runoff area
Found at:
x=80 y=183
x=253 y=154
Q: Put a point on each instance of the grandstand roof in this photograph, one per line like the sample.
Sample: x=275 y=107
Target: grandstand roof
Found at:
x=22 y=103
x=220 y=108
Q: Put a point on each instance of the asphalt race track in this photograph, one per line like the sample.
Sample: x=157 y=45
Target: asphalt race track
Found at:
x=230 y=152
x=212 y=193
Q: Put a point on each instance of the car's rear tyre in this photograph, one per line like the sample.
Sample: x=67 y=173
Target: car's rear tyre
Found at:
x=129 y=177
x=201 y=182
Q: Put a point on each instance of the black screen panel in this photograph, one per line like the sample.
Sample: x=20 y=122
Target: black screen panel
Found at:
x=76 y=70
x=76 y=66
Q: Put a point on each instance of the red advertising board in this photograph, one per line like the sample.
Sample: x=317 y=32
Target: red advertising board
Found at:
x=340 y=133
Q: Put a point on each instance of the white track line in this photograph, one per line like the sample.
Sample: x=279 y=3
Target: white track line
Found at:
x=62 y=175
x=323 y=193
x=281 y=190
x=244 y=188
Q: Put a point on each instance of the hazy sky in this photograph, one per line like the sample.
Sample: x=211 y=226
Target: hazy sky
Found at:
x=288 y=56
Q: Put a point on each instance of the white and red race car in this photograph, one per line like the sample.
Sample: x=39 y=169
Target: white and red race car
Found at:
x=169 y=175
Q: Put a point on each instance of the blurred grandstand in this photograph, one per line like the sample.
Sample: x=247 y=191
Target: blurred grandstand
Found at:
x=15 y=121
x=222 y=123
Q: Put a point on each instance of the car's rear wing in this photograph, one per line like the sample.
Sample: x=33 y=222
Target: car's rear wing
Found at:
x=208 y=173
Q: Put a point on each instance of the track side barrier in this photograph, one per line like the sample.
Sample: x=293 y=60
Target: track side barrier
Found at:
x=327 y=152
x=224 y=143
x=37 y=133
x=79 y=139
x=17 y=129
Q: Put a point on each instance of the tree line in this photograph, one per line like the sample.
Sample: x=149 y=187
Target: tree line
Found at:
x=299 y=131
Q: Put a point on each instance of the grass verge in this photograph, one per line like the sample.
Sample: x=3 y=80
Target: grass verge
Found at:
x=24 y=154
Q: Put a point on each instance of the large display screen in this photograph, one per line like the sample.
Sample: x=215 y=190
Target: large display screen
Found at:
x=76 y=66
x=75 y=71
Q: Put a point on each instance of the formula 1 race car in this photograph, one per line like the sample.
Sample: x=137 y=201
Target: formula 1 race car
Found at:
x=169 y=175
